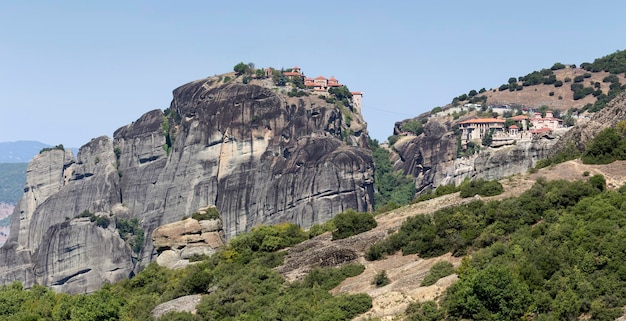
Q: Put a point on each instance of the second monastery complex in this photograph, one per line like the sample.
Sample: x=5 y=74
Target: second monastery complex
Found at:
x=524 y=128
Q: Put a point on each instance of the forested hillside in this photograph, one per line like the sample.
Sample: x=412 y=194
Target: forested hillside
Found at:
x=240 y=279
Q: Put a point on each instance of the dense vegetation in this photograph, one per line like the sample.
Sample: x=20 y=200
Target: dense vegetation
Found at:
x=468 y=188
x=12 y=181
x=607 y=146
x=553 y=253
x=392 y=188
x=47 y=149
x=480 y=187
x=437 y=271
x=345 y=224
x=351 y=222
x=614 y=63
x=242 y=280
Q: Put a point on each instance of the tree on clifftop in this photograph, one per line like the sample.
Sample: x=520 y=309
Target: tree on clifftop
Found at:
x=242 y=68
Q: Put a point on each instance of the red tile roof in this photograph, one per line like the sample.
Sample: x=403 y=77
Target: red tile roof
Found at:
x=513 y=127
x=482 y=120
x=320 y=78
x=540 y=130
x=519 y=117
x=356 y=93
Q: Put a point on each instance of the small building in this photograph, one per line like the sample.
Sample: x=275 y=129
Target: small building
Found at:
x=546 y=122
x=293 y=73
x=540 y=132
x=476 y=129
x=357 y=98
x=522 y=120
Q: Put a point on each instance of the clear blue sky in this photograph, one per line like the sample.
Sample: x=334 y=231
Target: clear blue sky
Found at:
x=74 y=70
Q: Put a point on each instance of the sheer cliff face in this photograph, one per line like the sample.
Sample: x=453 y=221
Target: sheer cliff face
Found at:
x=260 y=157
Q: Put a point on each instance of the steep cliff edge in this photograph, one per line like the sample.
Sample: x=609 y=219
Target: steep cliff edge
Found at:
x=256 y=154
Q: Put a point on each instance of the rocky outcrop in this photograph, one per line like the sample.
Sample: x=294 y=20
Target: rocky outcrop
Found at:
x=609 y=116
x=179 y=242
x=432 y=156
x=256 y=154
x=186 y=303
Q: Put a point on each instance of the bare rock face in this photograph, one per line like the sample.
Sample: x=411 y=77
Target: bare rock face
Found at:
x=257 y=155
x=431 y=157
x=176 y=243
x=186 y=303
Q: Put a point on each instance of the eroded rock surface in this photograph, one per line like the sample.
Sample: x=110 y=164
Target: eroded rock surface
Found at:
x=176 y=243
x=256 y=154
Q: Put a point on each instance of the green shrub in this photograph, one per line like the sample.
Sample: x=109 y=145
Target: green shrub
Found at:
x=608 y=145
x=103 y=221
x=351 y=222
x=268 y=238
x=380 y=279
x=557 y=66
x=392 y=139
x=446 y=189
x=481 y=187
x=598 y=182
x=391 y=188
x=375 y=252
x=131 y=232
x=319 y=229
x=437 y=271
x=211 y=213
x=47 y=149
x=611 y=79
x=414 y=127
x=424 y=311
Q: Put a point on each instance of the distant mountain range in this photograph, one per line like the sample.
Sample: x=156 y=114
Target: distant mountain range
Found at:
x=20 y=151
x=23 y=151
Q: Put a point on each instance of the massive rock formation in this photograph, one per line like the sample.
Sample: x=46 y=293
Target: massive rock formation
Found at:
x=432 y=156
x=256 y=154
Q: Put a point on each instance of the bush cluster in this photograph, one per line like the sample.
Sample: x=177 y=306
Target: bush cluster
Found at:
x=211 y=213
x=47 y=149
x=607 y=146
x=391 y=188
x=437 y=271
x=101 y=221
x=351 y=222
x=131 y=232
x=480 y=187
